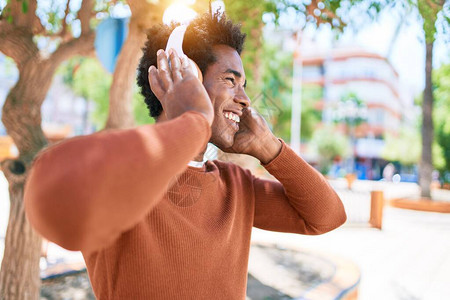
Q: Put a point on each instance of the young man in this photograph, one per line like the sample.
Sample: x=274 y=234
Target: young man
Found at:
x=149 y=225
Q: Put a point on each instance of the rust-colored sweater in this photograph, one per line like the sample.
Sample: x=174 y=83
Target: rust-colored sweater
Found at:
x=151 y=228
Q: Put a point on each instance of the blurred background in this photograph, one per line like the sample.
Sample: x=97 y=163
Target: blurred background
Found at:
x=359 y=89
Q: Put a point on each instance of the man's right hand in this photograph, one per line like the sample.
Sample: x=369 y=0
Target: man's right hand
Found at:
x=177 y=88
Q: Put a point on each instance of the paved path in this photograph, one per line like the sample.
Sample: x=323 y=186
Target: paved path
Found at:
x=408 y=259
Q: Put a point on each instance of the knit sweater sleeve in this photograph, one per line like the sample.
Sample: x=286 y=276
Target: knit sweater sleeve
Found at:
x=301 y=202
x=84 y=192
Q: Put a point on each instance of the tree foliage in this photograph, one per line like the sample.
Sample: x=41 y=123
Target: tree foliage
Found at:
x=274 y=102
x=406 y=148
x=351 y=110
x=88 y=79
x=329 y=144
x=249 y=14
x=441 y=82
x=403 y=147
x=276 y=89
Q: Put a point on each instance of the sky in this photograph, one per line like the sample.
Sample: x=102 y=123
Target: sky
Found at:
x=408 y=53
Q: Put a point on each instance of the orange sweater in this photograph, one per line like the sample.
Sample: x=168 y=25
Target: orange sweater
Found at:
x=151 y=228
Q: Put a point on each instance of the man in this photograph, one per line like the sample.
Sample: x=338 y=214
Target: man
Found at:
x=149 y=225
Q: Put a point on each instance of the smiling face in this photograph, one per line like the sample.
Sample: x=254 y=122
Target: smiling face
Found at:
x=225 y=83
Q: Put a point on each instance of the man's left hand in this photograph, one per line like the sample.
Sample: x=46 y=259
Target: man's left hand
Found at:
x=255 y=137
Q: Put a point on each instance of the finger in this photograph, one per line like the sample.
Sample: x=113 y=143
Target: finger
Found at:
x=250 y=121
x=255 y=121
x=163 y=69
x=251 y=113
x=246 y=115
x=175 y=66
x=155 y=83
x=186 y=69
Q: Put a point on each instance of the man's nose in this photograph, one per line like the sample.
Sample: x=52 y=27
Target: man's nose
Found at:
x=242 y=98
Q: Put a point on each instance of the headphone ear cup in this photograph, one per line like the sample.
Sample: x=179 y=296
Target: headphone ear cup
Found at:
x=175 y=42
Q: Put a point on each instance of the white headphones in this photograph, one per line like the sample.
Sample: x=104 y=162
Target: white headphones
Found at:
x=176 y=42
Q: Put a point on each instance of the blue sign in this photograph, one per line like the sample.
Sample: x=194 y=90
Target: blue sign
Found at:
x=109 y=39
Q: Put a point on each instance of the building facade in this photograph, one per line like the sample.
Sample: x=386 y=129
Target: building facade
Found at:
x=343 y=73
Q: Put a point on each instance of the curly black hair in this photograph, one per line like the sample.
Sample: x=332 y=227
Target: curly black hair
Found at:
x=201 y=35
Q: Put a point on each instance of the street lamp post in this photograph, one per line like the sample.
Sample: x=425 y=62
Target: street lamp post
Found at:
x=296 y=113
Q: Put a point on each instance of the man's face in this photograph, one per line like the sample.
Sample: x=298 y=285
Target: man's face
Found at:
x=225 y=83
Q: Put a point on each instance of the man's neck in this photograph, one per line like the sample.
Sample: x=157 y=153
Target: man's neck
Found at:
x=200 y=156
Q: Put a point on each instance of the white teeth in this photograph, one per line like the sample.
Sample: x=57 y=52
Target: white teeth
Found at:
x=232 y=116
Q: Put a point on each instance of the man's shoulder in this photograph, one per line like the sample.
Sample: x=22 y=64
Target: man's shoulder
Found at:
x=231 y=169
x=226 y=165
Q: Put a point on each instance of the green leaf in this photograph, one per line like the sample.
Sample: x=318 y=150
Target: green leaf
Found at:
x=25 y=6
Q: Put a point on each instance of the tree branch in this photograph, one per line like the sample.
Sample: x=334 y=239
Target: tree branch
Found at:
x=330 y=15
x=33 y=21
x=30 y=17
x=431 y=4
x=84 y=45
x=84 y=14
x=14 y=9
x=29 y=20
x=16 y=42
x=436 y=6
x=63 y=32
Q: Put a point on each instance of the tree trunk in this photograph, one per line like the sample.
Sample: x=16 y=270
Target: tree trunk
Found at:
x=19 y=274
x=121 y=93
x=426 y=165
x=144 y=14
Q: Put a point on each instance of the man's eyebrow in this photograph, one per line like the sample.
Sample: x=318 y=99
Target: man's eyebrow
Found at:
x=237 y=74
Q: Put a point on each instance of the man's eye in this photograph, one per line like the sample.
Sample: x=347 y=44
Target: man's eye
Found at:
x=230 y=79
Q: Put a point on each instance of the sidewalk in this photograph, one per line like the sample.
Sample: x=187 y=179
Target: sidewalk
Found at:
x=408 y=259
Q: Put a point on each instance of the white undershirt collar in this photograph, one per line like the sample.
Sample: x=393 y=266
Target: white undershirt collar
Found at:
x=197 y=164
x=209 y=154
